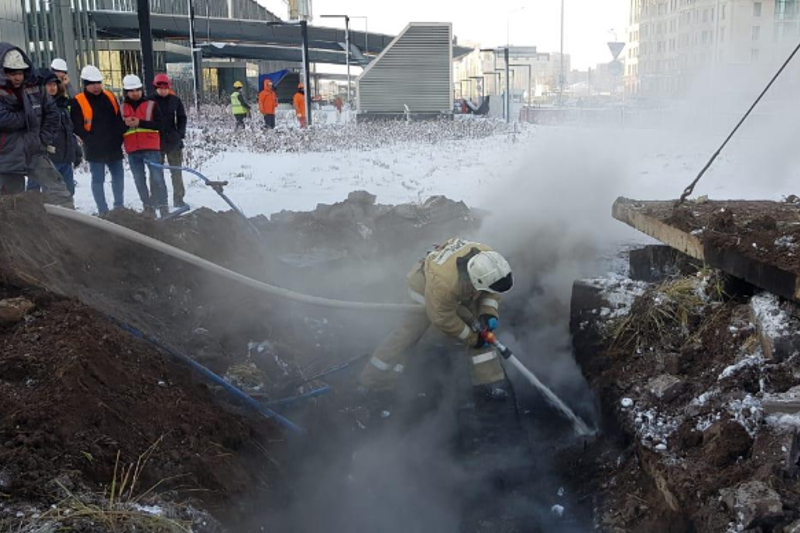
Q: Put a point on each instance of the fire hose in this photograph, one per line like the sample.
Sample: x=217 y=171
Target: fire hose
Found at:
x=488 y=336
x=580 y=426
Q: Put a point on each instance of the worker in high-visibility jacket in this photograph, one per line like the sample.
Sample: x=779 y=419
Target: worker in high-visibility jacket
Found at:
x=267 y=104
x=456 y=273
x=97 y=120
x=142 y=142
x=239 y=105
x=300 y=105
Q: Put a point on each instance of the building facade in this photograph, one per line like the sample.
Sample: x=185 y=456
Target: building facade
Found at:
x=675 y=44
x=483 y=73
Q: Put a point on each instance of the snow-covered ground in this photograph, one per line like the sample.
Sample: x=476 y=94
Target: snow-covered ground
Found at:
x=266 y=178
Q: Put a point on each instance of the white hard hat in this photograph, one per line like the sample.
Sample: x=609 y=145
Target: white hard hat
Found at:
x=131 y=82
x=59 y=65
x=15 y=61
x=489 y=271
x=92 y=74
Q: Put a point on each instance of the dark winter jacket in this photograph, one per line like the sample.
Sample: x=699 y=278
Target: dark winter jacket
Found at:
x=173 y=125
x=65 y=142
x=28 y=119
x=104 y=143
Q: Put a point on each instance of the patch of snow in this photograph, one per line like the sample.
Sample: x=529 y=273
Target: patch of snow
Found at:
x=704 y=398
x=753 y=360
x=626 y=402
x=619 y=291
x=149 y=509
x=748 y=412
x=784 y=420
x=773 y=320
x=557 y=510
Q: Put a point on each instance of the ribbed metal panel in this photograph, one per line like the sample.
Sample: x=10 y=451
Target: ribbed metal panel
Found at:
x=415 y=70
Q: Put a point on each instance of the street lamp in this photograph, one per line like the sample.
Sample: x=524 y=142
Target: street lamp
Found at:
x=306 y=64
x=346 y=44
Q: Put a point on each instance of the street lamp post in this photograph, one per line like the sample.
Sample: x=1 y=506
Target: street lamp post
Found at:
x=306 y=63
x=561 y=66
x=346 y=45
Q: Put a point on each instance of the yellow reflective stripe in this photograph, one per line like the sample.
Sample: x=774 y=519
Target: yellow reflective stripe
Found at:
x=138 y=130
x=464 y=335
x=417 y=297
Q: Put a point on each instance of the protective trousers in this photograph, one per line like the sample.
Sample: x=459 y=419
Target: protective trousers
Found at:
x=388 y=362
x=42 y=171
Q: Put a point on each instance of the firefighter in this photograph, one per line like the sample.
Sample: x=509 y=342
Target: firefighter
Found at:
x=456 y=273
x=239 y=105
x=300 y=105
x=267 y=103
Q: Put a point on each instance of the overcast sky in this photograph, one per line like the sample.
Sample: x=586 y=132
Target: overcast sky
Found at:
x=587 y=22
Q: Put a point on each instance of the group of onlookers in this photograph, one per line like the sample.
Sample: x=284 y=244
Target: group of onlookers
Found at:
x=268 y=104
x=47 y=127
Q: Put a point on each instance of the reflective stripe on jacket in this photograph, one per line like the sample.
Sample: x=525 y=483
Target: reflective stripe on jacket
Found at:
x=141 y=138
x=88 y=112
x=441 y=282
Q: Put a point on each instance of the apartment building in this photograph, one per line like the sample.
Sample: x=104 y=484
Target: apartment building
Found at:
x=672 y=44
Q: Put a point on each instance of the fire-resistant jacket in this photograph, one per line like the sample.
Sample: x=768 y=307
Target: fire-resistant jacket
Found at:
x=146 y=137
x=267 y=100
x=442 y=284
x=28 y=119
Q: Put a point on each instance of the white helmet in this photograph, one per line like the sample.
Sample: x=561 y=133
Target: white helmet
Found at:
x=59 y=65
x=15 y=61
x=131 y=82
x=91 y=74
x=489 y=271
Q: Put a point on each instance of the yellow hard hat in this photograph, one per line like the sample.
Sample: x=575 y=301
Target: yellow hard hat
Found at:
x=237 y=85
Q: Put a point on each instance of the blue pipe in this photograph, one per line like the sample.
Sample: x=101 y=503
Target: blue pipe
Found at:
x=208 y=182
x=305 y=396
x=250 y=402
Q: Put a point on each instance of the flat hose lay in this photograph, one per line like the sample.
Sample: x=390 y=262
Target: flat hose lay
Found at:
x=214 y=268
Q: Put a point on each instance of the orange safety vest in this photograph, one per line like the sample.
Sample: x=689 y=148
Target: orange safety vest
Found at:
x=141 y=139
x=88 y=112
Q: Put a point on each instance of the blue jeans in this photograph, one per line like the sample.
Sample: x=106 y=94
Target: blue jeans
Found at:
x=65 y=169
x=98 y=171
x=157 y=195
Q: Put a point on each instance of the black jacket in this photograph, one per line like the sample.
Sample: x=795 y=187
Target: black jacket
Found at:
x=65 y=142
x=173 y=125
x=28 y=119
x=104 y=142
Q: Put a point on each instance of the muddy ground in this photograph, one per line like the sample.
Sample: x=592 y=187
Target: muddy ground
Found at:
x=88 y=390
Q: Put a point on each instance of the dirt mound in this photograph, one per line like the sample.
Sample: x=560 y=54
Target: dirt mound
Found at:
x=681 y=379
x=77 y=391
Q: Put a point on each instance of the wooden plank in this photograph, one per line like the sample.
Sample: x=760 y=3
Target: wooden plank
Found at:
x=759 y=273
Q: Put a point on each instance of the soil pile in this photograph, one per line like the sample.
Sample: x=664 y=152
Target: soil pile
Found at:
x=761 y=230
x=682 y=378
x=77 y=391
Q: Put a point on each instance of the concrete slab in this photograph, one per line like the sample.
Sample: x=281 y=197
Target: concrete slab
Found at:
x=692 y=232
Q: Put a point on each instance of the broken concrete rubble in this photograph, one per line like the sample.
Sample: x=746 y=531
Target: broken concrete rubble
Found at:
x=666 y=387
x=754 y=504
x=778 y=331
x=726 y=442
x=12 y=310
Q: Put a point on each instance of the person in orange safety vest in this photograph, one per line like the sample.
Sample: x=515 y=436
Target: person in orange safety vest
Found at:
x=267 y=103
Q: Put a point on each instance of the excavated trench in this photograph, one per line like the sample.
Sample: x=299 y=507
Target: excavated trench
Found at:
x=435 y=458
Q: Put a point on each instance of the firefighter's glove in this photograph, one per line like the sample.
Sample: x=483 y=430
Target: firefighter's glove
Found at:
x=489 y=322
x=51 y=149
